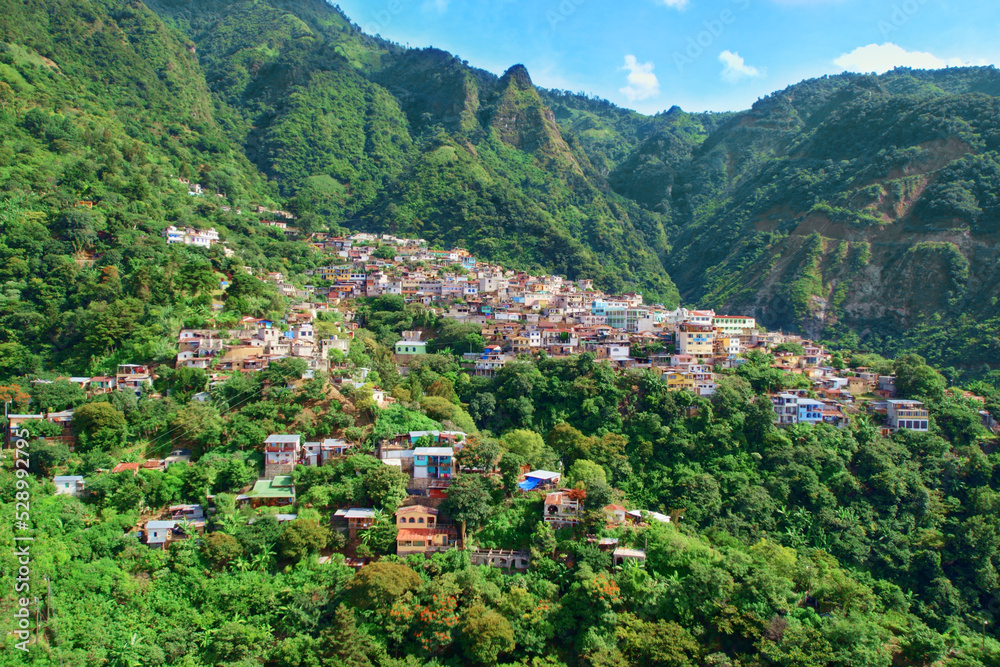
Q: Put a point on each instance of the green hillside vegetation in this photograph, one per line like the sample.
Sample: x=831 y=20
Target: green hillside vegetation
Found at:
x=417 y=142
x=881 y=164
x=104 y=109
x=807 y=545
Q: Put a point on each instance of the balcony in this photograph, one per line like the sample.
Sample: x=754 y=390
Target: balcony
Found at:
x=912 y=414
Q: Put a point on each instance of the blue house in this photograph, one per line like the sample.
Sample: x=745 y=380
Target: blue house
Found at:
x=810 y=411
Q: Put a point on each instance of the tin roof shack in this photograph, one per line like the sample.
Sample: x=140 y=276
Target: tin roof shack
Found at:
x=159 y=534
x=318 y=453
x=539 y=480
x=191 y=513
x=353 y=520
x=276 y=492
x=63 y=420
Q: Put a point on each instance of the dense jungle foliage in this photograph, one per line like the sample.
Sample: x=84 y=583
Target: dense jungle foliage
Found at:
x=808 y=545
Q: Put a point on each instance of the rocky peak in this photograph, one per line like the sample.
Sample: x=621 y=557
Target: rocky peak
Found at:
x=518 y=77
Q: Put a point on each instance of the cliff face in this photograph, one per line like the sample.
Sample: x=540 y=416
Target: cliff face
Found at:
x=523 y=120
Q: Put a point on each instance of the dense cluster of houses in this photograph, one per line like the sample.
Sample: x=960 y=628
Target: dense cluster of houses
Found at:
x=523 y=314
x=257 y=342
x=428 y=460
x=517 y=314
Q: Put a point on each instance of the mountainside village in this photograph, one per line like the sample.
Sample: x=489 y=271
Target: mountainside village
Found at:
x=519 y=315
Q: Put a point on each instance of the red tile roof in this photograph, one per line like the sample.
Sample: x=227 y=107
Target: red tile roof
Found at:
x=414 y=508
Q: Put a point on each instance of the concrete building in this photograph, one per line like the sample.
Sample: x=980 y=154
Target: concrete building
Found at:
x=905 y=414
x=433 y=462
x=696 y=340
x=281 y=454
x=561 y=510
x=68 y=485
x=504 y=559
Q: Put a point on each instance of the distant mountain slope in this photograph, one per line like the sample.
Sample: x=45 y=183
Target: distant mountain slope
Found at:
x=864 y=201
x=851 y=203
x=104 y=113
x=354 y=128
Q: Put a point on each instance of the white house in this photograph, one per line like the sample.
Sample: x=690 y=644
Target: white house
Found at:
x=158 y=533
x=68 y=485
x=191 y=236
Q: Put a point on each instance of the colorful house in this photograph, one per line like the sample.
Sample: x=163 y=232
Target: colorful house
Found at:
x=418 y=531
x=433 y=462
x=273 y=492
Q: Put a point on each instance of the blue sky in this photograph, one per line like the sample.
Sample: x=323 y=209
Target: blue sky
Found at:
x=701 y=55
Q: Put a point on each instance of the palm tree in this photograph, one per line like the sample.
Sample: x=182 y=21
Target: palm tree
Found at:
x=262 y=560
x=378 y=518
x=124 y=655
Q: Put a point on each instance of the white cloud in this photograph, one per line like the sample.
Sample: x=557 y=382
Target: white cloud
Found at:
x=735 y=68
x=675 y=4
x=642 y=83
x=807 y=3
x=439 y=6
x=884 y=57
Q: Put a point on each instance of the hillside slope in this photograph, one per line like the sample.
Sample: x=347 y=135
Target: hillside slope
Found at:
x=105 y=119
x=855 y=201
x=415 y=141
x=847 y=205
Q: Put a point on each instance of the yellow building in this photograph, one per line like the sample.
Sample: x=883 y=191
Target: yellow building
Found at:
x=697 y=340
x=333 y=273
x=419 y=533
x=678 y=380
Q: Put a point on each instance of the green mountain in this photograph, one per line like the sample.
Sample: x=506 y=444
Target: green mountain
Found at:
x=356 y=129
x=853 y=201
x=847 y=207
